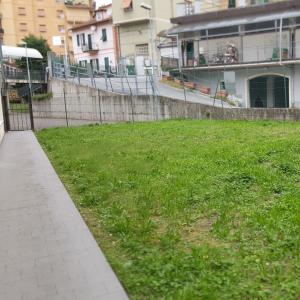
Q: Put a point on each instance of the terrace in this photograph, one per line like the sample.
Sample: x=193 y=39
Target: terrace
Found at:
x=240 y=37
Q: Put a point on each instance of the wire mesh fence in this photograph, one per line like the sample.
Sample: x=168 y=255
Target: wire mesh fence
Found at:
x=91 y=106
x=71 y=106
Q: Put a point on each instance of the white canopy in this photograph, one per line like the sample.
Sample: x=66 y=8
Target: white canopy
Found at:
x=19 y=52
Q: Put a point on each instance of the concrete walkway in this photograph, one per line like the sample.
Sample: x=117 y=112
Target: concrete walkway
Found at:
x=46 y=250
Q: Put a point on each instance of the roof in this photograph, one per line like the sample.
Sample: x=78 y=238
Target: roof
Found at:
x=230 y=13
x=103 y=7
x=91 y=22
x=19 y=52
x=221 y=23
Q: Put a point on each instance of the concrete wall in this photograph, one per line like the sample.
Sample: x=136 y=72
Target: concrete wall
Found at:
x=1 y=121
x=94 y=106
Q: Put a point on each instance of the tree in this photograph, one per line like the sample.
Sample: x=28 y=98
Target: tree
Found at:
x=38 y=43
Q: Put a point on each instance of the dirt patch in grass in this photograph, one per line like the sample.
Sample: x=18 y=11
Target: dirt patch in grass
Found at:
x=201 y=232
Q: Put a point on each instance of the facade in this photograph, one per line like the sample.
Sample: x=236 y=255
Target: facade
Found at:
x=46 y=18
x=138 y=29
x=249 y=54
x=138 y=36
x=95 y=42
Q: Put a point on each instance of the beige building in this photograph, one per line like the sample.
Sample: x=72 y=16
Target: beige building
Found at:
x=134 y=32
x=46 y=18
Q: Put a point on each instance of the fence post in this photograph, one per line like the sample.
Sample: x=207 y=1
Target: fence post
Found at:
x=184 y=91
x=111 y=86
x=130 y=91
x=99 y=103
x=105 y=75
x=136 y=85
x=65 y=102
x=78 y=74
x=5 y=110
x=30 y=108
x=121 y=76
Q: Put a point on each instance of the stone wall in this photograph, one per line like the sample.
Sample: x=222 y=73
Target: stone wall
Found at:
x=74 y=102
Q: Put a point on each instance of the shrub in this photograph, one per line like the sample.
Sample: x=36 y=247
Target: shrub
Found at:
x=42 y=97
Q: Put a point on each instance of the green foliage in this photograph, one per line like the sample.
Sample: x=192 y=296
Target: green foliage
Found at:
x=38 y=43
x=189 y=209
x=42 y=97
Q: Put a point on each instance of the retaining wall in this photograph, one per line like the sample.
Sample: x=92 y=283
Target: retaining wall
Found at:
x=78 y=102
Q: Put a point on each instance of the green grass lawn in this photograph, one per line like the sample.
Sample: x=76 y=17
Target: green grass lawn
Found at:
x=189 y=209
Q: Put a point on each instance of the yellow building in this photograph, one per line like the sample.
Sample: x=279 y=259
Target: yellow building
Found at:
x=46 y=18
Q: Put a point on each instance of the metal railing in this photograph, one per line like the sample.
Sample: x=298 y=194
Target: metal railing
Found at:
x=22 y=75
x=109 y=80
x=231 y=54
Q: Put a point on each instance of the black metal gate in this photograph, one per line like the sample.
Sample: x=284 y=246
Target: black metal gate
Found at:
x=17 y=111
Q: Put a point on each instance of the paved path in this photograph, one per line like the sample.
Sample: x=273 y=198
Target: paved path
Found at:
x=46 y=250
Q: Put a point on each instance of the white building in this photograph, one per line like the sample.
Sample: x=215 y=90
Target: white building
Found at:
x=249 y=54
x=95 y=42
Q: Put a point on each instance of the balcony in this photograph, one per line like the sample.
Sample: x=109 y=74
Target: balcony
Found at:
x=200 y=7
x=90 y=48
x=232 y=55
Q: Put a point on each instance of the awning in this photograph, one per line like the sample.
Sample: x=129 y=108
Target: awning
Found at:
x=127 y=4
x=197 y=26
x=19 y=52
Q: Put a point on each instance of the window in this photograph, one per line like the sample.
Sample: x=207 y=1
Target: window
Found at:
x=60 y=14
x=23 y=26
x=61 y=28
x=142 y=50
x=104 y=35
x=82 y=36
x=41 y=12
x=42 y=28
x=83 y=63
x=231 y=4
x=78 y=39
x=127 y=5
x=95 y=64
x=22 y=11
x=256 y=2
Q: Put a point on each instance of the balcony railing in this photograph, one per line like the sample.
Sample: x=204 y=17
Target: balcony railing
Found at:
x=230 y=55
x=91 y=47
x=22 y=75
x=198 y=7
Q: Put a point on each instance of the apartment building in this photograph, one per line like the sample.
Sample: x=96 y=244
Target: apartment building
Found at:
x=138 y=29
x=46 y=18
x=250 y=53
x=95 y=41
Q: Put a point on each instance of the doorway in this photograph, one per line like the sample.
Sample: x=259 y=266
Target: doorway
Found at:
x=269 y=91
